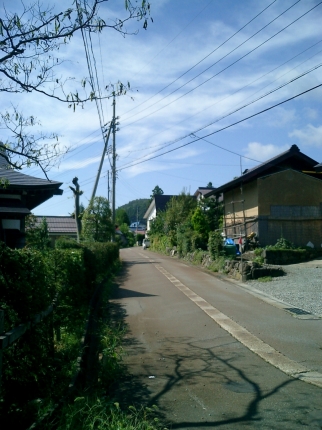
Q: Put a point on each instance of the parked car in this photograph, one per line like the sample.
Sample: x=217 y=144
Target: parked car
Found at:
x=146 y=243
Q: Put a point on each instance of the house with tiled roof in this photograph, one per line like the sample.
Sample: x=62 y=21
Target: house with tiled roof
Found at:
x=19 y=195
x=59 y=226
x=202 y=191
x=281 y=197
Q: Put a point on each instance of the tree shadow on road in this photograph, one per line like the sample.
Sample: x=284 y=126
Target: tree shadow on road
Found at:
x=187 y=362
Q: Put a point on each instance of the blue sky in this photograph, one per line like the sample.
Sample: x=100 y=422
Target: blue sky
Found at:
x=186 y=71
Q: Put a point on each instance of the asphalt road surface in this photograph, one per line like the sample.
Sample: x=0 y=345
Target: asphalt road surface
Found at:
x=210 y=354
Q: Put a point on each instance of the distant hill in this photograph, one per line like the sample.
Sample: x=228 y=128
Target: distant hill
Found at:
x=136 y=209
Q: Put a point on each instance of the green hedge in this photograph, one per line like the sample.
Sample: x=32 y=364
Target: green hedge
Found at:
x=29 y=281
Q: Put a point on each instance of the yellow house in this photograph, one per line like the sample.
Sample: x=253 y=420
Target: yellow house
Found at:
x=279 y=198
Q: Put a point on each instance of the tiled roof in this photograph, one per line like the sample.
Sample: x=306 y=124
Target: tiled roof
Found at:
x=17 y=178
x=203 y=190
x=59 y=224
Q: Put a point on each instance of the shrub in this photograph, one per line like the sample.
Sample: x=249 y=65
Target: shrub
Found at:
x=140 y=237
x=282 y=243
x=29 y=281
x=215 y=245
x=23 y=284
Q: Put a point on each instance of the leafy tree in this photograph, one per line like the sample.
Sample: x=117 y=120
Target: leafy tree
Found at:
x=157 y=191
x=129 y=235
x=136 y=209
x=213 y=211
x=30 y=38
x=179 y=210
x=199 y=222
x=121 y=217
x=157 y=225
x=209 y=185
x=97 y=223
x=37 y=234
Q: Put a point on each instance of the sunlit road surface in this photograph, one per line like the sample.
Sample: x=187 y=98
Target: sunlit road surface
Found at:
x=209 y=354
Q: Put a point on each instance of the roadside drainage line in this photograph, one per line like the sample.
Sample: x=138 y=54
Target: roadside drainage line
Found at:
x=253 y=343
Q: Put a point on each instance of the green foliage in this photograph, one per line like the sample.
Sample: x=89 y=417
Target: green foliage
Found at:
x=213 y=213
x=184 y=238
x=160 y=243
x=218 y=265
x=157 y=225
x=199 y=222
x=136 y=209
x=179 y=210
x=111 y=347
x=121 y=217
x=67 y=243
x=37 y=235
x=259 y=260
x=215 y=245
x=29 y=281
x=282 y=244
x=157 y=191
x=23 y=284
x=139 y=237
x=89 y=413
x=265 y=279
x=129 y=235
x=97 y=222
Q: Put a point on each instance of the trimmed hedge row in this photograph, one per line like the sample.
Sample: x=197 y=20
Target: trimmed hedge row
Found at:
x=30 y=279
x=289 y=256
x=33 y=367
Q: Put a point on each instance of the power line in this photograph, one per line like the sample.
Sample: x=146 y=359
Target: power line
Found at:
x=199 y=62
x=240 y=108
x=174 y=38
x=223 y=128
x=222 y=70
x=238 y=90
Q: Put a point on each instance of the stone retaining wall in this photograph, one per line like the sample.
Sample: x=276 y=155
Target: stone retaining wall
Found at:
x=239 y=270
x=250 y=270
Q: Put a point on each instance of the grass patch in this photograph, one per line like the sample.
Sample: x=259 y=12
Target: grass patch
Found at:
x=103 y=414
x=94 y=407
x=265 y=279
x=218 y=265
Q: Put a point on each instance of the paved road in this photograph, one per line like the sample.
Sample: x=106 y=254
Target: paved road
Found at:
x=189 y=350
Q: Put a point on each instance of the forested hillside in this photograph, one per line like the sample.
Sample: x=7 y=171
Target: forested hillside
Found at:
x=136 y=209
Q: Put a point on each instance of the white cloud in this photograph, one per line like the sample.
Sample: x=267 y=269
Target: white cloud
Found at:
x=80 y=164
x=282 y=117
x=261 y=152
x=309 y=135
x=311 y=113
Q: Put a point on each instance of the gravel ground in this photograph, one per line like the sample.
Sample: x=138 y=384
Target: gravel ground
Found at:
x=300 y=287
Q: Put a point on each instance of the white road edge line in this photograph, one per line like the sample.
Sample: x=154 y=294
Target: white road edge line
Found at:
x=253 y=343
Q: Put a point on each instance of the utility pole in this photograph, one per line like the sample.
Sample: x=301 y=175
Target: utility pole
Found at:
x=108 y=185
x=102 y=160
x=77 y=193
x=113 y=171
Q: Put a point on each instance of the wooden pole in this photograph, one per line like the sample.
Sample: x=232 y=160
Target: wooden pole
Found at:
x=77 y=193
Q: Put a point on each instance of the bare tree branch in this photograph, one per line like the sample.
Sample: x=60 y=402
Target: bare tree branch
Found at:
x=29 y=45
